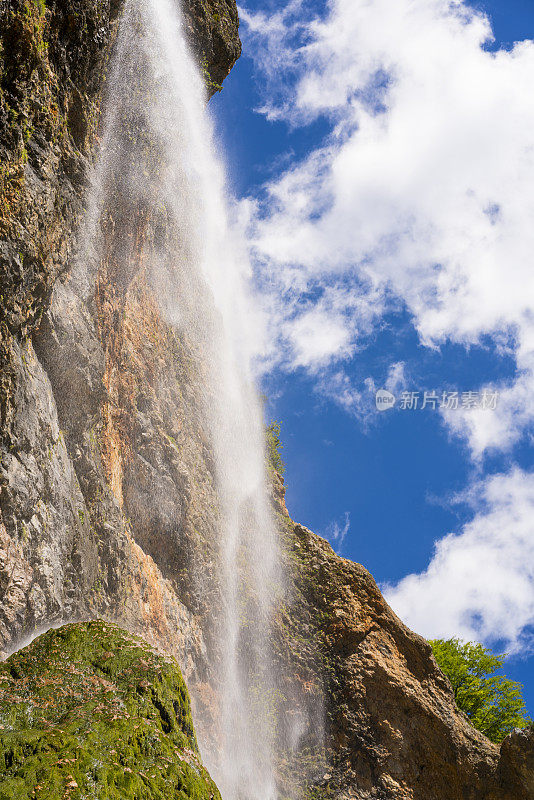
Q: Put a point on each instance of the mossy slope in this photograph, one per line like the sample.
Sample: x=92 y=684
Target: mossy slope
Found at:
x=89 y=711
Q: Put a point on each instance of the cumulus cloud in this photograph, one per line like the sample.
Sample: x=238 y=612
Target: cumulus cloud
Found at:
x=360 y=402
x=488 y=431
x=421 y=192
x=316 y=335
x=480 y=582
x=420 y=197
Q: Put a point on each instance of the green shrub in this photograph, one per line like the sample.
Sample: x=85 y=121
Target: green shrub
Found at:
x=493 y=703
x=275 y=447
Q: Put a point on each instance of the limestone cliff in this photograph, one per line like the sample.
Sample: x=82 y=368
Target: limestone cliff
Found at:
x=107 y=498
x=69 y=459
x=393 y=729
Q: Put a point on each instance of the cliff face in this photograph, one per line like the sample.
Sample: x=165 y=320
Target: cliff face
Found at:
x=82 y=419
x=393 y=729
x=107 y=498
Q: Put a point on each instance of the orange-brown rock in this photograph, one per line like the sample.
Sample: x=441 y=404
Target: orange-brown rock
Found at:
x=393 y=730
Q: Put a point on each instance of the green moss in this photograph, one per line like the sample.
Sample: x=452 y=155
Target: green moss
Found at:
x=35 y=5
x=319 y=793
x=211 y=85
x=88 y=711
x=25 y=532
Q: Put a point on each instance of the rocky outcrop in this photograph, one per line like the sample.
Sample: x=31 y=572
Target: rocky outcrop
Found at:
x=516 y=765
x=393 y=730
x=90 y=711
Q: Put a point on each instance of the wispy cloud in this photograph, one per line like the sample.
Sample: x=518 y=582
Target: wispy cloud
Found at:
x=336 y=532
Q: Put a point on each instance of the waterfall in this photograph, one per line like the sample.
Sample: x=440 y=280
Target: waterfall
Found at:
x=158 y=199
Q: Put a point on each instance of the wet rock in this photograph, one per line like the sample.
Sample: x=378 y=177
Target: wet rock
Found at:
x=95 y=482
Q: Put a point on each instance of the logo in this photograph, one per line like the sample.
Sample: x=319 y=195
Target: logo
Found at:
x=384 y=400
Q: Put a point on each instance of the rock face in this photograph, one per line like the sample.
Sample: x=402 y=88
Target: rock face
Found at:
x=392 y=726
x=107 y=499
x=90 y=711
x=67 y=423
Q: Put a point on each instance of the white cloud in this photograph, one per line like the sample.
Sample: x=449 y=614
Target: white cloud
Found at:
x=420 y=196
x=360 y=402
x=396 y=378
x=336 y=532
x=316 y=335
x=480 y=582
x=337 y=386
x=502 y=428
x=422 y=191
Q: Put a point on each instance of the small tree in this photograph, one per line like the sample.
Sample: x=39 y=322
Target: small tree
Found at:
x=274 y=447
x=493 y=703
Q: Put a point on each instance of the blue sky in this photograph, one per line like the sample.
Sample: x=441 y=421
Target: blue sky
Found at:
x=385 y=261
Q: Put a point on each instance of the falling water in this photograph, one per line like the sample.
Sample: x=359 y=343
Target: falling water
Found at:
x=158 y=168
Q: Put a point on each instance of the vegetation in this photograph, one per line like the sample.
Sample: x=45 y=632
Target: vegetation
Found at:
x=275 y=447
x=88 y=711
x=211 y=86
x=493 y=703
